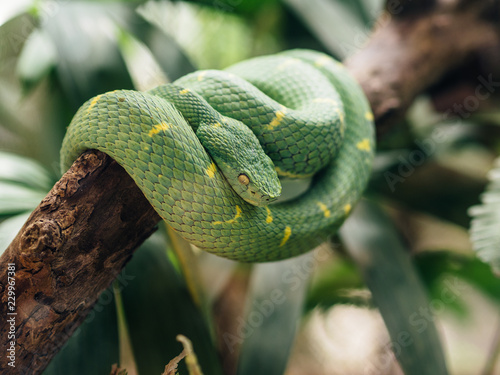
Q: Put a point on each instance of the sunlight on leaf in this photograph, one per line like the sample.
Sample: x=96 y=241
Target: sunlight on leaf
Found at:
x=142 y=66
x=37 y=58
x=211 y=39
x=15 y=168
x=188 y=263
x=9 y=229
x=127 y=360
x=15 y=198
x=340 y=30
x=84 y=36
x=11 y=9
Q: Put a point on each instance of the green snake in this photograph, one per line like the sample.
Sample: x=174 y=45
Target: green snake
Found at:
x=189 y=148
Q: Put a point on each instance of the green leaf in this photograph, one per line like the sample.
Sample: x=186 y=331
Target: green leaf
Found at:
x=372 y=9
x=274 y=307
x=332 y=22
x=15 y=168
x=165 y=51
x=88 y=60
x=16 y=198
x=440 y=268
x=93 y=348
x=158 y=308
x=127 y=360
x=37 y=59
x=389 y=273
x=334 y=283
x=9 y=229
x=142 y=67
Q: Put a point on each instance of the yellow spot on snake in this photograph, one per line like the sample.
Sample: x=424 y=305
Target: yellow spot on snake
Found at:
x=324 y=208
x=158 y=128
x=283 y=173
x=369 y=116
x=216 y=124
x=236 y=217
x=364 y=145
x=341 y=115
x=347 y=208
x=323 y=60
x=288 y=233
x=93 y=102
x=201 y=76
x=279 y=117
x=210 y=171
x=288 y=62
x=184 y=91
x=269 y=218
x=325 y=100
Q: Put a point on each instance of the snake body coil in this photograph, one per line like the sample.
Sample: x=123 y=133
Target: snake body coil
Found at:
x=285 y=99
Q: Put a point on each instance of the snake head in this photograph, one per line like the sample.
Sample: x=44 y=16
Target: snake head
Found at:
x=239 y=155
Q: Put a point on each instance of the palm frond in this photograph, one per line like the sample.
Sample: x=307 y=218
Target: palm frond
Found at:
x=485 y=224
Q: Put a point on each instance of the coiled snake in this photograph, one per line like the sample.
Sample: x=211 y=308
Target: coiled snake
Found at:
x=303 y=108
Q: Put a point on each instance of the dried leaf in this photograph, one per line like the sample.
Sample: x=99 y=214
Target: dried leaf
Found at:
x=171 y=367
x=115 y=370
x=191 y=360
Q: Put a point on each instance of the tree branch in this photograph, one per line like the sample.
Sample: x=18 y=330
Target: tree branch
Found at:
x=408 y=53
x=72 y=247
x=86 y=229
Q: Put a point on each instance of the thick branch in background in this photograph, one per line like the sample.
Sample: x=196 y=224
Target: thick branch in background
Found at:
x=408 y=54
x=86 y=229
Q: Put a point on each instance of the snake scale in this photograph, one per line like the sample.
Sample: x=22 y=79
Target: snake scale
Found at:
x=305 y=112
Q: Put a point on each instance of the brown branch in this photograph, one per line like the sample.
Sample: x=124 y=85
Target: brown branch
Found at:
x=86 y=229
x=72 y=247
x=407 y=54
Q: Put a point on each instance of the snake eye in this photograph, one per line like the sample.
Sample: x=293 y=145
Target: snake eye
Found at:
x=243 y=179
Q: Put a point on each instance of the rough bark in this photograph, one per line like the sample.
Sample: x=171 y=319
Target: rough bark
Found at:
x=86 y=229
x=71 y=248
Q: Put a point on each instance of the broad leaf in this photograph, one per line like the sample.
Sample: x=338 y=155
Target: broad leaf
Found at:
x=158 y=307
x=9 y=229
x=15 y=198
x=274 y=308
x=397 y=290
x=18 y=169
x=333 y=23
x=93 y=348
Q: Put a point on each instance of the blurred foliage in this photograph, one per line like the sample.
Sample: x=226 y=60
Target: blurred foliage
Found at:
x=54 y=55
x=391 y=277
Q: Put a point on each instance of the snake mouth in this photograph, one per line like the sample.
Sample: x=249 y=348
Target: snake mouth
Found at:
x=269 y=198
x=259 y=199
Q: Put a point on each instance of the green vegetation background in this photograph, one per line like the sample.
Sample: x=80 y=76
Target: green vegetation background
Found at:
x=412 y=228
